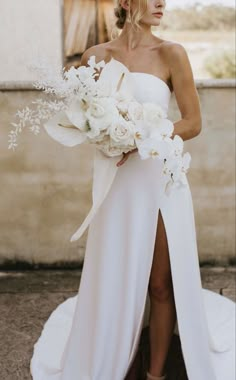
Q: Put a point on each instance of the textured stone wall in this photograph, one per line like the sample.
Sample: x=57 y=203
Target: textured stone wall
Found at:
x=46 y=187
x=30 y=31
x=212 y=174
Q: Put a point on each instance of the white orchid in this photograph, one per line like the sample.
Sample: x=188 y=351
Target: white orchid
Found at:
x=164 y=129
x=141 y=131
x=186 y=160
x=175 y=168
x=178 y=146
x=172 y=167
x=154 y=147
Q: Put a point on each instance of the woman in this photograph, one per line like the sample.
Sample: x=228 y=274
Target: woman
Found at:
x=141 y=51
x=139 y=240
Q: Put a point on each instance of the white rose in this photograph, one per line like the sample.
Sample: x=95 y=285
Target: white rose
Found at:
x=153 y=113
x=108 y=148
x=100 y=115
x=135 y=111
x=122 y=132
x=97 y=109
x=110 y=151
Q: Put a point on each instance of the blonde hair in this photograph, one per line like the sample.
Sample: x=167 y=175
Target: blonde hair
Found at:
x=134 y=17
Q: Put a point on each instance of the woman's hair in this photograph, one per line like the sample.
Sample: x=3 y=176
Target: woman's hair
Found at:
x=134 y=17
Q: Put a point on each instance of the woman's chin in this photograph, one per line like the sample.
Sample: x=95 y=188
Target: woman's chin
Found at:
x=152 y=23
x=156 y=23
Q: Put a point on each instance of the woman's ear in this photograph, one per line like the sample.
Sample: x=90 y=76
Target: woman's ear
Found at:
x=125 y=4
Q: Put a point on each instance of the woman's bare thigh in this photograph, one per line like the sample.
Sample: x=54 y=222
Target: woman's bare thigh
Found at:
x=160 y=276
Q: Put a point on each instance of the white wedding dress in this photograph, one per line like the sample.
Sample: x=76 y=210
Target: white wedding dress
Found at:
x=95 y=334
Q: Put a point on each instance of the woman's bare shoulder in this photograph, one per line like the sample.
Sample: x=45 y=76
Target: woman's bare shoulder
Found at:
x=100 y=51
x=172 y=50
x=173 y=54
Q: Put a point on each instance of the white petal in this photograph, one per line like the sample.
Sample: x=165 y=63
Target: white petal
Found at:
x=166 y=127
x=60 y=129
x=92 y=61
x=178 y=145
x=186 y=161
x=76 y=115
x=155 y=148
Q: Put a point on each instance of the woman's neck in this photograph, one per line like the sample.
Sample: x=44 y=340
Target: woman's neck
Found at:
x=132 y=38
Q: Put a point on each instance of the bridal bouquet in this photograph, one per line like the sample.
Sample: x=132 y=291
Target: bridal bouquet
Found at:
x=87 y=108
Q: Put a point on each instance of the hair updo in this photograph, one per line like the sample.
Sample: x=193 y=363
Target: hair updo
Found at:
x=134 y=18
x=121 y=15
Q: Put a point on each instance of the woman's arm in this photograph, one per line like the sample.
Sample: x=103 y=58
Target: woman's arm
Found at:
x=185 y=92
x=186 y=95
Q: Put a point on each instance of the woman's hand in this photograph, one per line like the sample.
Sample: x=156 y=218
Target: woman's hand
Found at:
x=125 y=157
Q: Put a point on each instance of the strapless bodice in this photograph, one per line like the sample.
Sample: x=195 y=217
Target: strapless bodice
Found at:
x=149 y=88
x=144 y=87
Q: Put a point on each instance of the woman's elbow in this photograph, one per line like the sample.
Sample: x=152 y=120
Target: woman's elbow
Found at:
x=197 y=127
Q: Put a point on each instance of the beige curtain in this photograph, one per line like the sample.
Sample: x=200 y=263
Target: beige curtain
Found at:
x=87 y=22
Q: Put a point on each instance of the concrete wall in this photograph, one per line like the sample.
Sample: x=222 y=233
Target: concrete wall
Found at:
x=212 y=174
x=30 y=31
x=46 y=188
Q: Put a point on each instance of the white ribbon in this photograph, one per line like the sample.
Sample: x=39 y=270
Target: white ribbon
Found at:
x=104 y=167
x=104 y=172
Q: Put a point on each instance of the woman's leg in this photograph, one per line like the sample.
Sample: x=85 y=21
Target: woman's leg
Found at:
x=162 y=306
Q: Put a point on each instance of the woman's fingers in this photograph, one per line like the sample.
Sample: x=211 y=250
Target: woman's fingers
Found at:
x=122 y=161
x=126 y=156
x=134 y=150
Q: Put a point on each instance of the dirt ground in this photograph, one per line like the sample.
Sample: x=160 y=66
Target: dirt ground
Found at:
x=28 y=297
